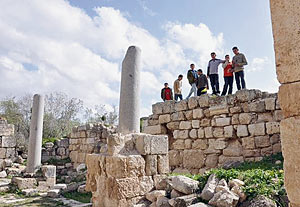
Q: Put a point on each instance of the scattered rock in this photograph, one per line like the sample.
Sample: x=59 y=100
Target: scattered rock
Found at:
x=60 y=186
x=81 y=189
x=175 y=194
x=231 y=164
x=7 y=163
x=278 y=162
x=162 y=202
x=25 y=183
x=199 y=205
x=238 y=191
x=183 y=201
x=154 y=195
x=29 y=192
x=262 y=201
x=222 y=185
x=184 y=184
x=3 y=174
x=54 y=193
x=19 y=159
x=80 y=167
x=224 y=198
x=210 y=187
x=235 y=182
x=49 y=145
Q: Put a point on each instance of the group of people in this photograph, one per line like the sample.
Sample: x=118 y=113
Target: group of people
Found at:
x=199 y=81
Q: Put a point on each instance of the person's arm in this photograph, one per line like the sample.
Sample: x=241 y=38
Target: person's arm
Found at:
x=224 y=65
x=162 y=94
x=244 y=61
x=171 y=94
x=206 y=82
x=208 y=69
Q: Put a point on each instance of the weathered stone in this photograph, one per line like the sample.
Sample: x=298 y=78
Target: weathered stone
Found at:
x=203 y=101
x=175 y=159
x=177 y=116
x=218 y=144
x=193 y=102
x=242 y=131
x=262 y=201
x=198 y=114
x=184 y=184
x=267 y=151
x=185 y=125
x=246 y=95
x=278 y=115
x=248 y=143
x=201 y=133
x=8 y=141
x=181 y=105
x=181 y=134
x=276 y=148
x=270 y=104
x=208 y=132
x=193 y=159
x=173 y=125
x=289 y=101
x=25 y=183
x=200 y=144
x=162 y=164
x=153 y=195
x=235 y=110
x=188 y=144
x=3 y=174
x=143 y=144
x=49 y=145
x=157 y=108
x=274 y=138
x=210 y=187
x=218 y=132
x=151 y=165
x=262 y=141
x=257 y=129
x=178 y=144
x=157 y=129
x=183 y=201
x=164 y=118
x=234 y=149
x=222 y=121
x=245 y=118
x=54 y=193
x=258 y=106
x=217 y=110
x=49 y=171
x=2 y=154
x=229 y=132
x=236 y=182
x=211 y=161
x=273 y=127
x=162 y=202
x=264 y=117
x=225 y=160
x=199 y=205
x=194 y=134
x=159 y=144
x=205 y=122
x=195 y=124
x=224 y=198
x=222 y=185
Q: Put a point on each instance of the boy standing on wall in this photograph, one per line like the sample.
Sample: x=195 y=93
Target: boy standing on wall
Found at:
x=202 y=83
x=192 y=77
x=177 y=88
x=238 y=62
x=212 y=72
x=166 y=93
x=228 y=76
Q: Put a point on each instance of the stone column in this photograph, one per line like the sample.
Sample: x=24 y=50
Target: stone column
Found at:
x=129 y=109
x=286 y=31
x=36 y=133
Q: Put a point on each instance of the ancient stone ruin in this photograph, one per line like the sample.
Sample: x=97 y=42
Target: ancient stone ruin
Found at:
x=209 y=132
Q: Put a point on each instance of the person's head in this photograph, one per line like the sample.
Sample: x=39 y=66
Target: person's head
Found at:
x=213 y=55
x=227 y=57
x=192 y=66
x=200 y=72
x=180 y=77
x=235 y=50
x=166 y=85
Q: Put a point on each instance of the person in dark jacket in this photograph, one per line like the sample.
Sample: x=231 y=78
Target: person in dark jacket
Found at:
x=166 y=93
x=202 y=83
x=192 y=78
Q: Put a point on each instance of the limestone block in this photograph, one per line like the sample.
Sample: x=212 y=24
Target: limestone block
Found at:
x=184 y=184
x=257 y=129
x=229 y=132
x=219 y=144
x=8 y=141
x=163 y=164
x=234 y=149
x=218 y=132
x=262 y=141
x=264 y=117
x=159 y=144
x=181 y=134
x=276 y=148
x=218 y=110
x=211 y=161
x=224 y=159
x=153 y=195
x=177 y=116
x=258 y=106
x=116 y=166
x=178 y=144
x=205 y=122
x=267 y=151
x=115 y=143
x=224 y=198
x=194 y=134
x=175 y=194
x=193 y=102
x=151 y=165
x=146 y=184
x=188 y=144
x=289 y=100
x=61 y=151
x=195 y=124
x=160 y=182
x=235 y=110
x=152 y=122
x=210 y=187
x=143 y=143
x=200 y=144
x=290 y=133
x=245 y=118
x=251 y=153
x=198 y=114
x=275 y=138
x=270 y=104
x=175 y=158
x=181 y=105
x=186 y=200
x=248 y=143
x=203 y=101
x=74 y=156
x=208 y=131
x=273 y=127
x=135 y=166
x=158 y=129
x=10 y=152
x=49 y=171
x=2 y=154
x=201 y=133
x=222 y=121
x=25 y=183
x=169 y=107
x=193 y=159
x=157 y=108
x=166 y=118
x=122 y=188
x=278 y=115
x=173 y=125
x=235 y=119
x=245 y=107
x=247 y=95
x=185 y=125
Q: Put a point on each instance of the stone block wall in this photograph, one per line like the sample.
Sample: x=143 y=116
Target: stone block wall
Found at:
x=7 y=142
x=87 y=139
x=57 y=150
x=130 y=167
x=207 y=132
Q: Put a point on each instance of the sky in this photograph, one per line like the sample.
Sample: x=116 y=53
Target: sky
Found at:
x=77 y=46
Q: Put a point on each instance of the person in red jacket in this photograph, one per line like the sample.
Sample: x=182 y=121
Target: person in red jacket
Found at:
x=166 y=93
x=228 y=76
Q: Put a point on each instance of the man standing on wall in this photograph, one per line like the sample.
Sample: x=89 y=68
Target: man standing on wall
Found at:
x=166 y=93
x=228 y=76
x=192 y=77
x=177 y=88
x=238 y=62
x=212 y=73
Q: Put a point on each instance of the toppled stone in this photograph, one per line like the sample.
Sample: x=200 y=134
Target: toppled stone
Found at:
x=175 y=194
x=210 y=187
x=222 y=185
x=224 y=198
x=184 y=184
x=80 y=167
x=3 y=174
x=199 y=205
x=25 y=183
x=235 y=182
x=162 y=202
x=49 y=171
x=54 y=193
x=81 y=189
x=238 y=191
x=49 y=145
x=152 y=196
x=60 y=186
x=183 y=201
x=29 y=192
x=262 y=201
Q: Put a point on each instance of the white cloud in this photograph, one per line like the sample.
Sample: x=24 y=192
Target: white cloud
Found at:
x=258 y=64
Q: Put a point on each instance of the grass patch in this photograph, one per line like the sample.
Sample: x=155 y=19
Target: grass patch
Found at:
x=261 y=178
x=52 y=140
x=81 y=197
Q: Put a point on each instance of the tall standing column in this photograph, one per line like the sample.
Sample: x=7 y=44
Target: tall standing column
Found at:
x=36 y=133
x=129 y=109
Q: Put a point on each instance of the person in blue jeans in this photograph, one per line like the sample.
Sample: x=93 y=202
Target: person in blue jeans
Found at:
x=192 y=77
x=213 y=73
x=238 y=63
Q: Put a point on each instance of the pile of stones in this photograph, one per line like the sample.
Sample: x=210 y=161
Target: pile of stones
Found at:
x=181 y=191
x=57 y=150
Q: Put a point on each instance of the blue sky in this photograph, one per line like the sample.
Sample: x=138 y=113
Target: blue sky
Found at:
x=77 y=46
